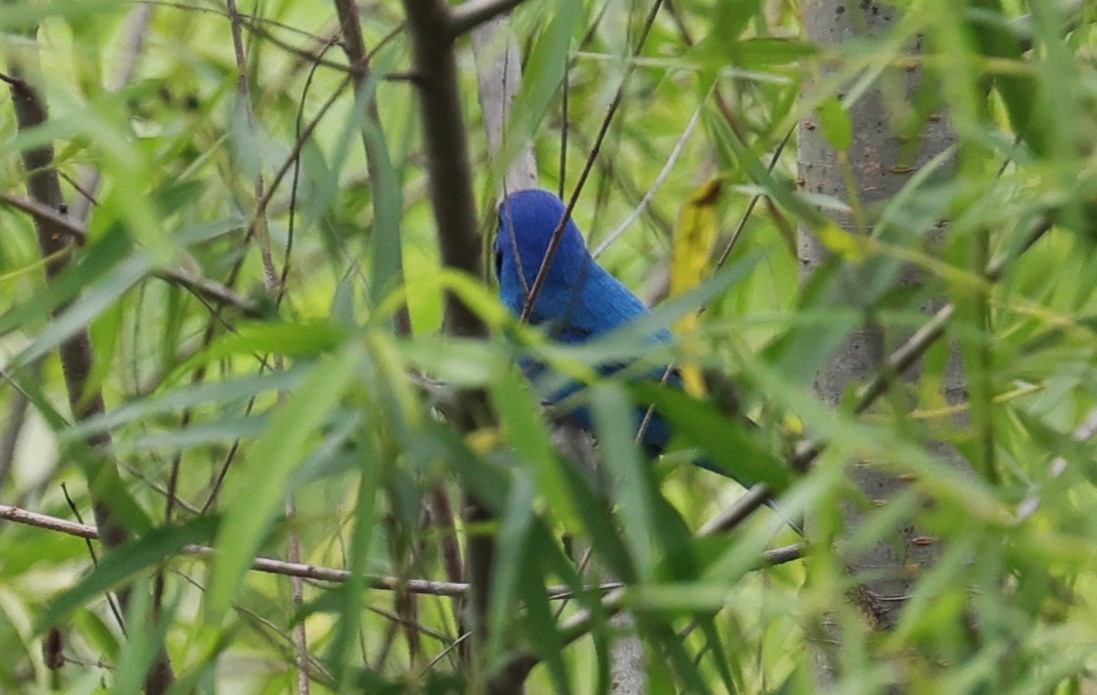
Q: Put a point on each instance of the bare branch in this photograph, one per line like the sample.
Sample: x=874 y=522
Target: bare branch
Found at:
x=42 y=214
x=72 y=229
x=472 y=13
x=737 y=512
x=288 y=569
x=384 y=190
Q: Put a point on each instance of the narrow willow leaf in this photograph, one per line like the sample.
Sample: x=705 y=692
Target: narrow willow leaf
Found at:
x=630 y=476
x=837 y=126
x=726 y=444
x=101 y=298
x=290 y=339
x=540 y=621
x=225 y=392
x=525 y=426
x=144 y=639
x=510 y=559
x=123 y=562
x=355 y=589
x=98 y=259
x=268 y=466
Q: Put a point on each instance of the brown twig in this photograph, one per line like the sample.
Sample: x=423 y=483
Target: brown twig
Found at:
x=472 y=13
x=271 y=283
x=287 y=569
x=451 y=194
x=385 y=191
x=59 y=222
x=70 y=228
x=742 y=508
x=43 y=186
x=111 y=602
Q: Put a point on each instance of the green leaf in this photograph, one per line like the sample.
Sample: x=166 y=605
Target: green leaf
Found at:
x=98 y=259
x=542 y=628
x=226 y=392
x=767 y=52
x=307 y=339
x=268 y=466
x=725 y=442
x=510 y=559
x=123 y=562
x=630 y=476
x=836 y=124
x=521 y=416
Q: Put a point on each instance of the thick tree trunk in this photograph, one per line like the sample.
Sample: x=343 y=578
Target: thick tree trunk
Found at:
x=880 y=163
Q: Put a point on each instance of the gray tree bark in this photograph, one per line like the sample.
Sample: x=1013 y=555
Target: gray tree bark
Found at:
x=880 y=161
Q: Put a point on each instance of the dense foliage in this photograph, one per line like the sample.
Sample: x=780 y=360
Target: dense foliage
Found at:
x=239 y=279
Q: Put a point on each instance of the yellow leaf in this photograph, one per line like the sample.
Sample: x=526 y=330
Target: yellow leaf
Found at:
x=694 y=237
x=794 y=426
x=482 y=440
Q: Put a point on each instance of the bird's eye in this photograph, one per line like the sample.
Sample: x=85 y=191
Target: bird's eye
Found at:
x=498 y=264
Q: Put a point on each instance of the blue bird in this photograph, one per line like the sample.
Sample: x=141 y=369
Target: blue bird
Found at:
x=579 y=299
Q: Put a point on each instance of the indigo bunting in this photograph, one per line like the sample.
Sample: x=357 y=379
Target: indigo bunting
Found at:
x=579 y=299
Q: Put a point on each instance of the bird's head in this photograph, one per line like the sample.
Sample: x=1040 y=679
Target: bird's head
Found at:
x=527 y=220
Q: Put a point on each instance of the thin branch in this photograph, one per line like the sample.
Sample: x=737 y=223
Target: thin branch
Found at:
x=271 y=283
x=664 y=173
x=59 y=222
x=384 y=191
x=251 y=19
x=114 y=609
x=71 y=228
x=22 y=516
x=742 y=508
x=907 y=354
x=472 y=13
x=212 y=290
x=753 y=202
